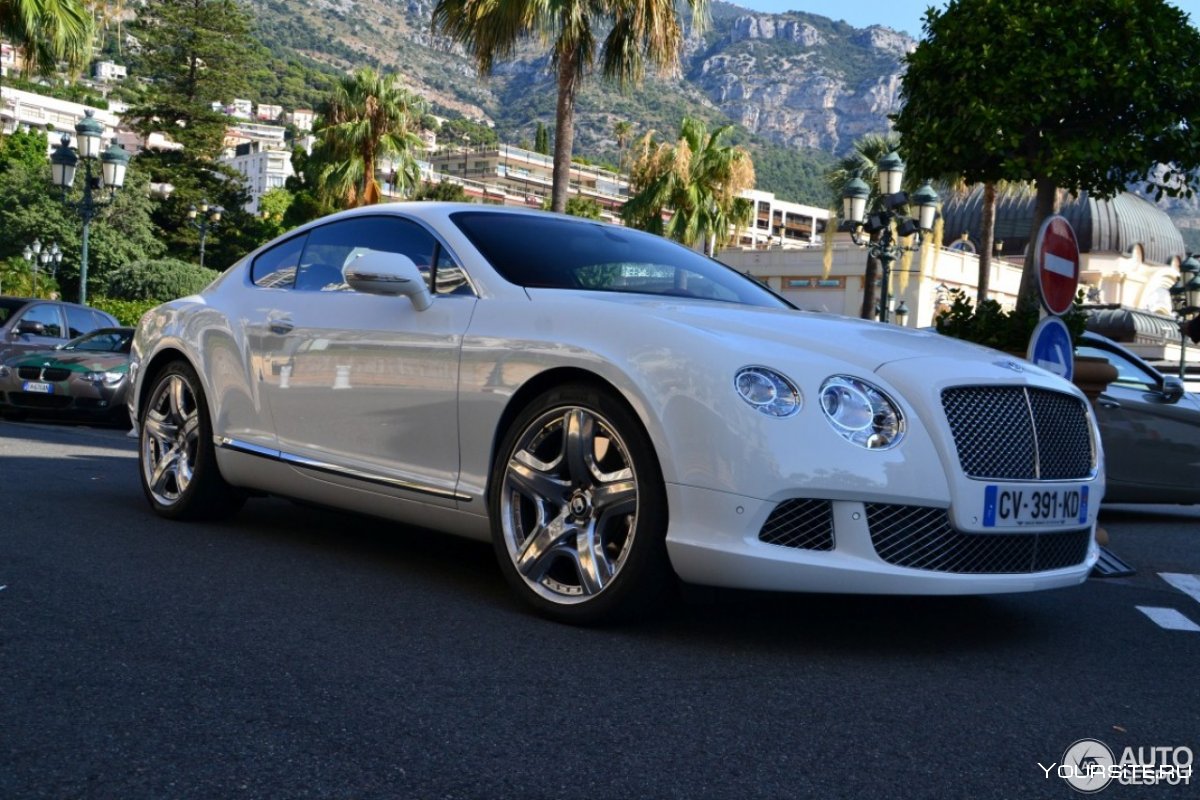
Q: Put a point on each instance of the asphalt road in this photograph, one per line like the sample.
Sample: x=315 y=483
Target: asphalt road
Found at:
x=299 y=653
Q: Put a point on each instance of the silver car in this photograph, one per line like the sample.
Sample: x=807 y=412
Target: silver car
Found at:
x=1150 y=427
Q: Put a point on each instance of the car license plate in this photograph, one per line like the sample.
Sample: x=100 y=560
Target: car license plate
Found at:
x=37 y=387
x=1020 y=506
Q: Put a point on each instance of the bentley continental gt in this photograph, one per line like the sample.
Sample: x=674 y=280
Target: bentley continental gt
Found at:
x=613 y=411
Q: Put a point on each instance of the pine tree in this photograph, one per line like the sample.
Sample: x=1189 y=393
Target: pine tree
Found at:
x=199 y=53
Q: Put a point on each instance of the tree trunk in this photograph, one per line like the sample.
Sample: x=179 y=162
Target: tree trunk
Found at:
x=564 y=131
x=1046 y=206
x=986 y=236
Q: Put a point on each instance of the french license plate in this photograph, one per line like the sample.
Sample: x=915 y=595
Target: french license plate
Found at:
x=1021 y=506
x=37 y=387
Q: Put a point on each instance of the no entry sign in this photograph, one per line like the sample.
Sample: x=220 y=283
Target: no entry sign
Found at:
x=1057 y=253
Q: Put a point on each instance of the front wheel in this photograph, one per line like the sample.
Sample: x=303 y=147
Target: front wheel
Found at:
x=578 y=508
x=178 y=465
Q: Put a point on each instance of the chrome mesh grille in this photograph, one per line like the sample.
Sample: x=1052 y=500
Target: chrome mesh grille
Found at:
x=803 y=524
x=1019 y=433
x=923 y=538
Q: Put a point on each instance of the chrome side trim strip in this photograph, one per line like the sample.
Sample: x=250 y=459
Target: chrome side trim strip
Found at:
x=333 y=469
x=225 y=443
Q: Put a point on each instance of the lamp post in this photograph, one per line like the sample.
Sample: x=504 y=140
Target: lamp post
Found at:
x=49 y=257
x=1185 y=301
x=202 y=219
x=887 y=247
x=63 y=163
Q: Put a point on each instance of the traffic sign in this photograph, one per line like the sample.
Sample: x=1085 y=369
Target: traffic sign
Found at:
x=1050 y=348
x=1057 y=256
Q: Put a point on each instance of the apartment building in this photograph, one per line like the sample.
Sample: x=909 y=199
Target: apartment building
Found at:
x=264 y=167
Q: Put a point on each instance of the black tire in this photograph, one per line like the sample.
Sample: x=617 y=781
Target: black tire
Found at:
x=177 y=462
x=578 y=508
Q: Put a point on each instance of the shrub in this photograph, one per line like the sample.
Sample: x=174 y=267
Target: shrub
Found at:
x=127 y=312
x=157 y=279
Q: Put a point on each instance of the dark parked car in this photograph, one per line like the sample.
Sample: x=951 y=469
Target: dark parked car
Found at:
x=1150 y=427
x=86 y=377
x=28 y=324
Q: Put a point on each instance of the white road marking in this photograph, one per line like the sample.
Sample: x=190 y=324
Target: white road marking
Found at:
x=1169 y=619
x=1188 y=584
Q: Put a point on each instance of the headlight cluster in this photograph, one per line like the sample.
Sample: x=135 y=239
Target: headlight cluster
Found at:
x=861 y=412
x=767 y=391
x=108 y=378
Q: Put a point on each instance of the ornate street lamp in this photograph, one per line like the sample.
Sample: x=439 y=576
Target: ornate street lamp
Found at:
x=64 y=162
x=202 y=218
x=49 y=257
x=887 y=247
x=1185 y=302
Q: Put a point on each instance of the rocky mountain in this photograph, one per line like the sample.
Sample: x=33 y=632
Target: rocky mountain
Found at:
x=796 y=85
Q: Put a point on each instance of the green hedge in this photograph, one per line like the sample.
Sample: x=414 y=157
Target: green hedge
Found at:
x=127 y=312
x=158 y=279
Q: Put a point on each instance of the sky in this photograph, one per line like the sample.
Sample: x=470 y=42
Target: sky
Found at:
x=902 y=15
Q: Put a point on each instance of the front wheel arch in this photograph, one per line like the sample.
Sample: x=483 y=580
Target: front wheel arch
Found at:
x=539 y=385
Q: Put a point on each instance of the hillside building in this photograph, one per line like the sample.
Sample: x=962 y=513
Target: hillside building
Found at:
x=264 y=167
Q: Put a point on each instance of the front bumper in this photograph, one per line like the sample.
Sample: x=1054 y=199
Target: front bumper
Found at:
x=714 y=539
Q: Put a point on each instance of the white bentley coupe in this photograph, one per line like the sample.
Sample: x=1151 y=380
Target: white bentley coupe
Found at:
x=613 y=411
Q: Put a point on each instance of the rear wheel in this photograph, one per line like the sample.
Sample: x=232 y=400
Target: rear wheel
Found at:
x=578 y=508
x=178 y=465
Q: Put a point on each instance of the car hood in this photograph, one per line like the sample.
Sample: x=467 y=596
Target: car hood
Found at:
x=868 y=345
x=76 y=361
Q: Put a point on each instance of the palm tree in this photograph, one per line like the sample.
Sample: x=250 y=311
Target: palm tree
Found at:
x=48 y=31
x=635 y=31
x=623 y=131
x=697 y=179
x=861 y=163
x=105 y=13
x=370 y=117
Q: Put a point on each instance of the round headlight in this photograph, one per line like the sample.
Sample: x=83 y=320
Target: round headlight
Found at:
x=767 y=391
x=861 y=412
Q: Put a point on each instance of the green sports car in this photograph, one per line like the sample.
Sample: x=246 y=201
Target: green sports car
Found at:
x=85 y=377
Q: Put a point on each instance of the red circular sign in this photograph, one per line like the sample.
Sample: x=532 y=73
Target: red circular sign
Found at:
x=1058 y=264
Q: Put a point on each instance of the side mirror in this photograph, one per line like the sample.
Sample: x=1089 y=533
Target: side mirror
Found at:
x=1172 y=389
x=377 y=272
x=27 y=326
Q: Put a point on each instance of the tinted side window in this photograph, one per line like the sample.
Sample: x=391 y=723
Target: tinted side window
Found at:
x=102 y=320
x=276 y=268
x=449 y=277
x=84 y=320
x=49 y=317
x=332 y=246
x=1128 y=373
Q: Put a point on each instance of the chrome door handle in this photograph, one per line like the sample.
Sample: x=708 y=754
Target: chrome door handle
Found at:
x=1106 y=403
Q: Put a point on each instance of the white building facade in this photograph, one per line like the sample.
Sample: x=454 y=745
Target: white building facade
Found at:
x=264 y=168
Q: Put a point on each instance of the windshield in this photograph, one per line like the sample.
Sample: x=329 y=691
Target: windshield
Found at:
x=545 y=251
x=106 y=340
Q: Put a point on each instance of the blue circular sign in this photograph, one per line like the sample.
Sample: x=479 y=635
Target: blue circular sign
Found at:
x=1050 y=348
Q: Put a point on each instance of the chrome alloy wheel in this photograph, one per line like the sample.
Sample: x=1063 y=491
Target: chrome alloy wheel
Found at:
x=569 y=504
x=170 y=438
